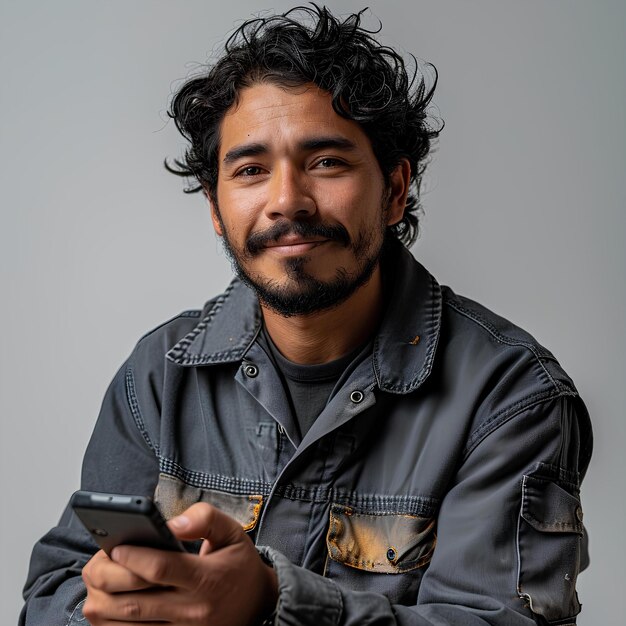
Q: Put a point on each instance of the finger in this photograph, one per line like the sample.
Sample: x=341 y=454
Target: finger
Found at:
x=154 y=606
x=203 y=521
x=205 y=548
x=103 y=574
x=158 y=567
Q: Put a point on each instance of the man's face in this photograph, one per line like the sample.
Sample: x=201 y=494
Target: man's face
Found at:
x=301 y=200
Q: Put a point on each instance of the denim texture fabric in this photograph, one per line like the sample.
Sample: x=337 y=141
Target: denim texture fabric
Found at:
x=439 y=485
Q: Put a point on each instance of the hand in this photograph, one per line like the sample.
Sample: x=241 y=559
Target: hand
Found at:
x=226 y=584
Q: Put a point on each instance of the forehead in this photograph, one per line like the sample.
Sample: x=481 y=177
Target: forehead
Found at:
x=283 y=116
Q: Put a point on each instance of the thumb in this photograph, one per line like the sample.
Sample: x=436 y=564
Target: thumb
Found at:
x=204 y=521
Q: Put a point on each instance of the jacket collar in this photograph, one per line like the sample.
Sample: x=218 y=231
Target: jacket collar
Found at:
x=404 y=347
x=407 y=339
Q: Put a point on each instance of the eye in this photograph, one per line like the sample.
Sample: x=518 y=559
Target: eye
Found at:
x=249 y=171
x=328 y=162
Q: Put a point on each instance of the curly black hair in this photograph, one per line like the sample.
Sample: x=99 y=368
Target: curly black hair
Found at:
x=368 y=82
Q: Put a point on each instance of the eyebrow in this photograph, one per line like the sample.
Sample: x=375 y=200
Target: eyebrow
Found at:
x=334 y=141
x=314 y=143
x=244 y=150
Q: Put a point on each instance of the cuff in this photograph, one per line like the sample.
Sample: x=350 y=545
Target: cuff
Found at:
x=304 y=598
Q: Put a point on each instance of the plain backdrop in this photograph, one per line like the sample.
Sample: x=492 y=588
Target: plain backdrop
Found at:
x=524 y=202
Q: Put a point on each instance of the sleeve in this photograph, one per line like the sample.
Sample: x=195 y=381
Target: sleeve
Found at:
x=510 y=539
x=120 y=458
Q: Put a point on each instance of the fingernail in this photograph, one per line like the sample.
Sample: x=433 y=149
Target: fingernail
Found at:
x=114 y=554
x=181 y=522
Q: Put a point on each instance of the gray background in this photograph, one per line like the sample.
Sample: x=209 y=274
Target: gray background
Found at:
x=525 y=212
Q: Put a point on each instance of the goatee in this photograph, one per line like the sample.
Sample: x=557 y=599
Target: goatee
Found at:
x=303 y=294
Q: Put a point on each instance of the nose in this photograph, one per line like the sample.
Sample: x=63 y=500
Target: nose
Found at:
x=288 y=194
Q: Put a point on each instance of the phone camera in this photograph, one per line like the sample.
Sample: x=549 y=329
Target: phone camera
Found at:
x=100 y=532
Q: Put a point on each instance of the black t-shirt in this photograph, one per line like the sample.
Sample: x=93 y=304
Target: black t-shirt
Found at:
x=310 y=387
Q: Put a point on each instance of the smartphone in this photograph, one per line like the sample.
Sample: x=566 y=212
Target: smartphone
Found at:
x=114 y=519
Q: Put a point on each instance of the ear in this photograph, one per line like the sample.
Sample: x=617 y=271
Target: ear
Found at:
x=399 y=183
x=215 y=216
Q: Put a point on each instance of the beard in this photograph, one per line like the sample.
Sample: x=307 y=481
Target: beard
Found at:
x=303 y=294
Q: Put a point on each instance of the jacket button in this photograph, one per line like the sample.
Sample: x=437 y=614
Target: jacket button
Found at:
x=357 y=396
x=579 y=513
x=391 y=555
x=250 y=370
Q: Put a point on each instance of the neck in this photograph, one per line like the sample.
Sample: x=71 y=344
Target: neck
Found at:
x=328 y=335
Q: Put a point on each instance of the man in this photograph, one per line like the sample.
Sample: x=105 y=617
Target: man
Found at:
x=396 y=453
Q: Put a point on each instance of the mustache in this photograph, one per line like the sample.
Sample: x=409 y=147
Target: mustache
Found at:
x=257 y=241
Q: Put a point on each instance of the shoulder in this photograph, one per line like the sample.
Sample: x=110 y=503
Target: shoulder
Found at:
x=491 y=340
x=504 y=372
x=142 y=379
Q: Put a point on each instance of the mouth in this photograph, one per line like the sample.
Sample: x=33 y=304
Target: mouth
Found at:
x=291 y=246
x=295 y=237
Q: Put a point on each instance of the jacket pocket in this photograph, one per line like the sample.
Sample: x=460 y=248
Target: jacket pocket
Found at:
x=173 y=496
x=549 y=534
x=385 y=543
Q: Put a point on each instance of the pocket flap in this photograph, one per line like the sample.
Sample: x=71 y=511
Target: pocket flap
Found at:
x=549 y=548
x=173 y=496
x=549 y=508
x=388 y=543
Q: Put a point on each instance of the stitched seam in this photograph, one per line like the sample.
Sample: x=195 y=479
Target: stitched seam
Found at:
x=533 y=349
x=240 y=486
x=558 y=527
x=375 y=367
x=185 y=314
x=558 y=474
x=370 y=504
x=367 y=503
x=133 y=404
x=339 y=602
x=178 y=352
x=309 y=534
x=435 y=314
x=508 y=413
x=216 y=357
x=517 y=546
x=69 y=621
x=384 y=567
x=430 y=350
x=389 y=505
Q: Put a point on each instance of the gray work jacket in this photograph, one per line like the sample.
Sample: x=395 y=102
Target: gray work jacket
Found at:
x=439 y=485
